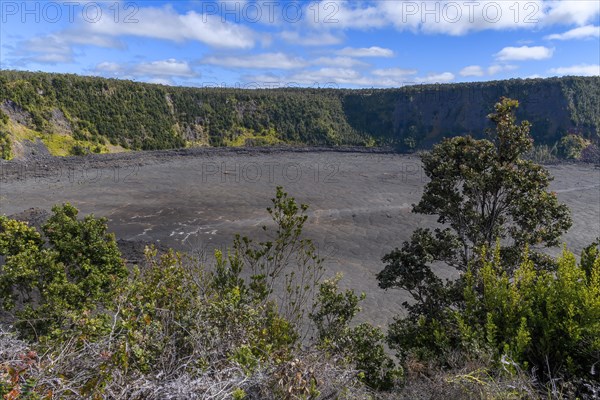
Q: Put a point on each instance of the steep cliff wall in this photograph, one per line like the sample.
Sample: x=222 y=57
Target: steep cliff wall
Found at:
x=106 y=113
x=428 y=113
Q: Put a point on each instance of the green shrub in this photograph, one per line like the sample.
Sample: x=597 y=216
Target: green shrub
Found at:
x=3 y=118
x=571 y=146
x=79 y=150
x=74 y=268
x=5 y=144
x=236 y=325
x=544 y=321
x=513 y=305
x=362 y=345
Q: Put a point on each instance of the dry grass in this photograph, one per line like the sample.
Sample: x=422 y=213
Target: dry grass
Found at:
x=75 y=372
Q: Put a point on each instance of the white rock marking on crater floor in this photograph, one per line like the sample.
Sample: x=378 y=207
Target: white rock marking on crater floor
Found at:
x=147 y=216
x=315 y=216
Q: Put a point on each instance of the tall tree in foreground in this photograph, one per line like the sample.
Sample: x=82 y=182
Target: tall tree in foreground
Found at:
x=483 y=192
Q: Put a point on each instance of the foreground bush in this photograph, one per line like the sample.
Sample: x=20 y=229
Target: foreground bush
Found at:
x=547 y=323
x=73 y=269
x=517 y=310
x=571 y=146
x=77 y=324
x=541 y=319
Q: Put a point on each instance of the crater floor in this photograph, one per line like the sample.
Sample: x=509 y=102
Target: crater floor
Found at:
x=359 y=203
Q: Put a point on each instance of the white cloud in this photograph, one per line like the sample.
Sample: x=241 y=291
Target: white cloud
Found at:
x=497 y=68
x=450 y=17
x=455 y=18
x=165 y=23
x=109 y=67
x=312 y=39
x=165 y=68
x=570 y=12
x=524 y=53
x=73 y=37
x=157 y=23
x=161 y=81
x=341 y=14
x=327 y=75
x=581 y=69
x=59 y=47
x=373 y=51
x=50 y=58
x=160 y=71
x=472 y=70
x=443 y=16
x=343 y=62
x=437 y=78
x=583 y=32
x=394 y=72
x=257 y=61
x=49 y=50
x=333 y=77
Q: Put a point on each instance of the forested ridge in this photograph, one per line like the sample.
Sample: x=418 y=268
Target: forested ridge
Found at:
x=97 y=112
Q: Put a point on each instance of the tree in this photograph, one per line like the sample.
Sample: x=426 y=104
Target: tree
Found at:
x=482 y=191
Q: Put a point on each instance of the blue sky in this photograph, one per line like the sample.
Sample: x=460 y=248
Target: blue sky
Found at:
x=323 y=43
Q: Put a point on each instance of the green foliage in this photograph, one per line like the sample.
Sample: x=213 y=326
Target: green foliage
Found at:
x=366 y=351
x=477 y=186
x=3 y=118
x=5 y=146
x=286 y=264
x=5 y=140
x=333 y=311
x=589 y=256
x=45 y=285
x=238 y=394
x=88 y=252
x=481 y=190
x=546 y=320
x=156 y=311
x=79 y=150
x=145 y=116
x=67 y=292
x=571 y=146
x=229 y=316
x=361 y=345
x=486 y=194
x=430 y=113
x=533 y=319
x=410 y=143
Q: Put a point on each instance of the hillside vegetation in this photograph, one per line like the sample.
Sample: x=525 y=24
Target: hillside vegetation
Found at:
x=107 y=115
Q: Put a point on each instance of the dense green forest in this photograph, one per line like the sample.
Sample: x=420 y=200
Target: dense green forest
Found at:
x=104 y=114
